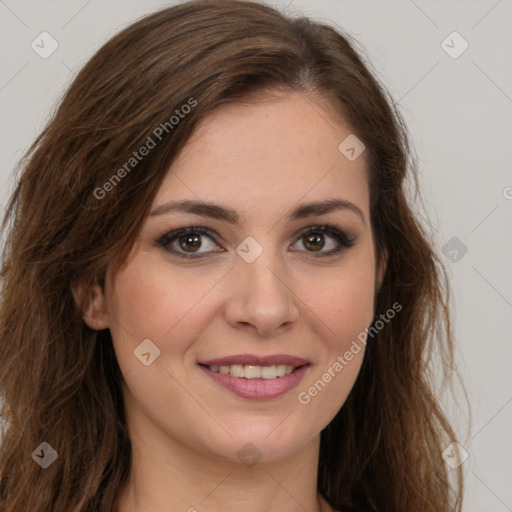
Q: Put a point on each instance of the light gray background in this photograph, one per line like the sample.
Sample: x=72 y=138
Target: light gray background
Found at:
x=459 y=112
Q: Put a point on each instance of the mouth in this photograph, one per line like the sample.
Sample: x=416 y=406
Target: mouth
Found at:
x=256 y=377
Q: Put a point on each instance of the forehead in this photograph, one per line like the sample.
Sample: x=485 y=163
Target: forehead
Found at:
x=273 y=153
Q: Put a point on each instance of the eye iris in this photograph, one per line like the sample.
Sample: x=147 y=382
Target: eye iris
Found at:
x=190 y=242
x=314 y=241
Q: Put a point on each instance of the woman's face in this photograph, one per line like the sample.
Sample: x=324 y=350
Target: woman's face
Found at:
x=251 y=291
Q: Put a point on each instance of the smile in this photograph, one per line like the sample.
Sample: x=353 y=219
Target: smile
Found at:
x=243 y=380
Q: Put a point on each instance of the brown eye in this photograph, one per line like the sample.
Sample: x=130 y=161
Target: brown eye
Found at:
x=189 y=243
x=314 y=241
x=325 y=240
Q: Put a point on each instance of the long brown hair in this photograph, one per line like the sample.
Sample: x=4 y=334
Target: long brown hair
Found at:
x=69 y=217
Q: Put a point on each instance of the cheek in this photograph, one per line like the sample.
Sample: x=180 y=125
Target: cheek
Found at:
x=342 y=307
x=149 y=301
x=140 y=307
x=343 y=300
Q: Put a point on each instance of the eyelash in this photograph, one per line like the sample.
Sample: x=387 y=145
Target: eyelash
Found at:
x=331 y=230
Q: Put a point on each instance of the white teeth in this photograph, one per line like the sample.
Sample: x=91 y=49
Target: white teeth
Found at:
x=237 y=370
x=268 y=372
x=249 y=371
x=252 y=372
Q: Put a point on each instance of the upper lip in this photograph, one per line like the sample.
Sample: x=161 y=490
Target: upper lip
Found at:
x=255 y=360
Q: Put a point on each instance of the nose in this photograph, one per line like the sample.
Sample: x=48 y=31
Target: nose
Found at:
x=260 y=297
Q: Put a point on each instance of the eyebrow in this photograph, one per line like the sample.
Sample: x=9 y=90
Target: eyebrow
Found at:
x=219 y=212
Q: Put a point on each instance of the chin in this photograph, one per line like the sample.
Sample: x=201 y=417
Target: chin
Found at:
x=269 y=439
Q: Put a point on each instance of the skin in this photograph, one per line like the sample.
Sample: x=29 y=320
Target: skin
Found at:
x=260 y=158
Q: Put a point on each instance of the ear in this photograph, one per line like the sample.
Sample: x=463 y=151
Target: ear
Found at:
x=91 y=302
x=382 y=265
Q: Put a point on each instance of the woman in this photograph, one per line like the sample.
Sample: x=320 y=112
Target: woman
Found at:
x=215 y=293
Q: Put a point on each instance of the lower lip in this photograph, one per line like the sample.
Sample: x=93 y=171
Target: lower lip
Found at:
x=258 y=388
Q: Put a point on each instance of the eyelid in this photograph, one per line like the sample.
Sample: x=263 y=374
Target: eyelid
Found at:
x=332 y=229
x=167 y=238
